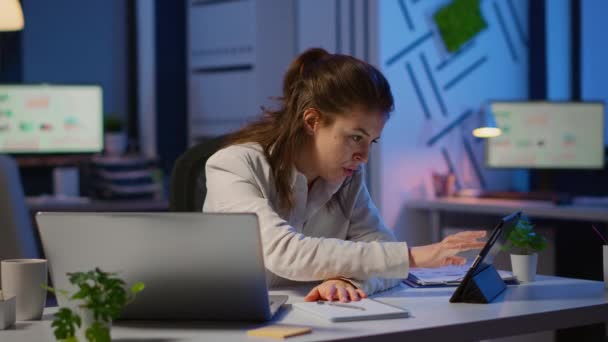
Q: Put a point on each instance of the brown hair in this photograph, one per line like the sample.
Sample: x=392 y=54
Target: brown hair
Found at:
x=331 y=83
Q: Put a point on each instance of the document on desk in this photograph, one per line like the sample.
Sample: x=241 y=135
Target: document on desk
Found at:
x=446 y=276
x=364 y=309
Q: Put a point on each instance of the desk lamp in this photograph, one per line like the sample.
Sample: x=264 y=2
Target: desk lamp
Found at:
x=11 y=18
x=11 y=15
x=487 y=127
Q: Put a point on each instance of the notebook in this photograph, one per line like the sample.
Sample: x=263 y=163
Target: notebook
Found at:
x=279 y=331
x=365 y=309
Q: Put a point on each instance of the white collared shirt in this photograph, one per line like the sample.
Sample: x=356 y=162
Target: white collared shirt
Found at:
x=319 y=238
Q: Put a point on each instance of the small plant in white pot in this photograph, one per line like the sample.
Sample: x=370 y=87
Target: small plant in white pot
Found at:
x=115 y=137
x=524 y=244
x=99 y=299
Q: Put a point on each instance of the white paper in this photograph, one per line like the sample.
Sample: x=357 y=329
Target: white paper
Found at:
x=363 y=309
x=446 y=275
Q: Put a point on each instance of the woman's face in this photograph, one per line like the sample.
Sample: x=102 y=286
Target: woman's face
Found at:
x=340 y=147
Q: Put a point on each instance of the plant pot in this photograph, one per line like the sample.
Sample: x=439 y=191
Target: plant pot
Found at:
x=115 y=143
x=524 y=266
x=87 y=320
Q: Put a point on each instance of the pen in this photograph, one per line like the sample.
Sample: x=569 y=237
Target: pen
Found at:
x=342 y=305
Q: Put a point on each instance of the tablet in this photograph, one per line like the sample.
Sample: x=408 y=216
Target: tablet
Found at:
x=483 y=262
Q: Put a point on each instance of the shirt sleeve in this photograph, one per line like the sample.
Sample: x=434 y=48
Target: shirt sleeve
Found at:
x=231 y=187
x=366 y=225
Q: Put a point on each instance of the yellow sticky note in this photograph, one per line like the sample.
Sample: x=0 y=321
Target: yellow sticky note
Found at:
x=279 y=331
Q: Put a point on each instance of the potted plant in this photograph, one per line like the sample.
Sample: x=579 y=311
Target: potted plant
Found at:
x=99 y=299
x=524 y=244
x=115 y=138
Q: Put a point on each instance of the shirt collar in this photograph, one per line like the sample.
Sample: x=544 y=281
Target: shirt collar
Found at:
x=328 y=188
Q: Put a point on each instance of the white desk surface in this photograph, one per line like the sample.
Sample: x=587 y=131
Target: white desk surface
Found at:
x=546 y=304
x=506 y=206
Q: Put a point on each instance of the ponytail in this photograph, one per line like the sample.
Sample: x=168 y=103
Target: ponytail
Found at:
x=297 y=69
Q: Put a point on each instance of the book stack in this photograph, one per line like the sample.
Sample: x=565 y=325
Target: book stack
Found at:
x=125 y=177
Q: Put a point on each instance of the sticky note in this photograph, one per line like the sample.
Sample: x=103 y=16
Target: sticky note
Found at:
x=279 y=331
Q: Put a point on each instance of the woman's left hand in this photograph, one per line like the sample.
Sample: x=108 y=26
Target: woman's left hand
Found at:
x=444 y=253
x=335 y=289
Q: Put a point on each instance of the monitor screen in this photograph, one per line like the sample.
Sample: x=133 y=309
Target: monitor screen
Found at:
x=45 y=119
x=547 y=135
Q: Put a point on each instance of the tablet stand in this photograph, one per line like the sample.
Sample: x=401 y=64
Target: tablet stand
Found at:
x=482 y=287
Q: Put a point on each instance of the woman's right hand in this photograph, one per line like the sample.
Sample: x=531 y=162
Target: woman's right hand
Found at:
x=335 y=289
x=444 y=253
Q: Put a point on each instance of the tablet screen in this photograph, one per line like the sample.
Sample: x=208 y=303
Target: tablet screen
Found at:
x=482 y=283
x=497 y=239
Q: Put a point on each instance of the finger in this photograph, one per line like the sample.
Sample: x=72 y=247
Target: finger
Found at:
x=456 y=260
x=353 y=293
x=472 y=245
x=332 y=293
x=313 y=295
x=362 y=293
x=464 y=246
x=472 y=233
x=466 y=235
x=451 y=261
x=342 y=294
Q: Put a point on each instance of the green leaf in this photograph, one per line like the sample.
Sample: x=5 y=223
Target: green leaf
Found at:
x=103 y=293
x=524 y=240
x=65 y=293
x=48 y=288
x=98 y=332
x=65 y=324
x=137 y=288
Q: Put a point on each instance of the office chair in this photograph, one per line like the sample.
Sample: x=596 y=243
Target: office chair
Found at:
x=188 y=180
x=18 y=239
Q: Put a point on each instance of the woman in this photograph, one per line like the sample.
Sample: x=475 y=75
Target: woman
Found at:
x=300 y=168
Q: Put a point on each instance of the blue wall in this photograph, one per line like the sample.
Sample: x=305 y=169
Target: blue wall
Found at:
x=67 y=41
x=438 y=96
x=594 y=52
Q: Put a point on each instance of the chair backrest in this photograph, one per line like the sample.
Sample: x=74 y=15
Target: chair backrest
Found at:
x=18 y=239
x=188 y=180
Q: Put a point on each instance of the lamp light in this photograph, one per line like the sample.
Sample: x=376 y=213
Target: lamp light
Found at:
x=488 y=127
x=11 y=15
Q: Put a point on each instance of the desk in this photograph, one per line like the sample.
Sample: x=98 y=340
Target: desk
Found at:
x=480 y=206
x=573 y=249
x=547 y=304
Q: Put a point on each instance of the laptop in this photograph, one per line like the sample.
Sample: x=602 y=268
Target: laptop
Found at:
x=198 y=266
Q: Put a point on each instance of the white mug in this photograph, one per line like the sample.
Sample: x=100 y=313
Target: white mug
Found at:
x=24 y=279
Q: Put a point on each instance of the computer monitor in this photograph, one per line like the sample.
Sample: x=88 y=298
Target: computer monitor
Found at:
x=547 y=135
x=50 y=119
